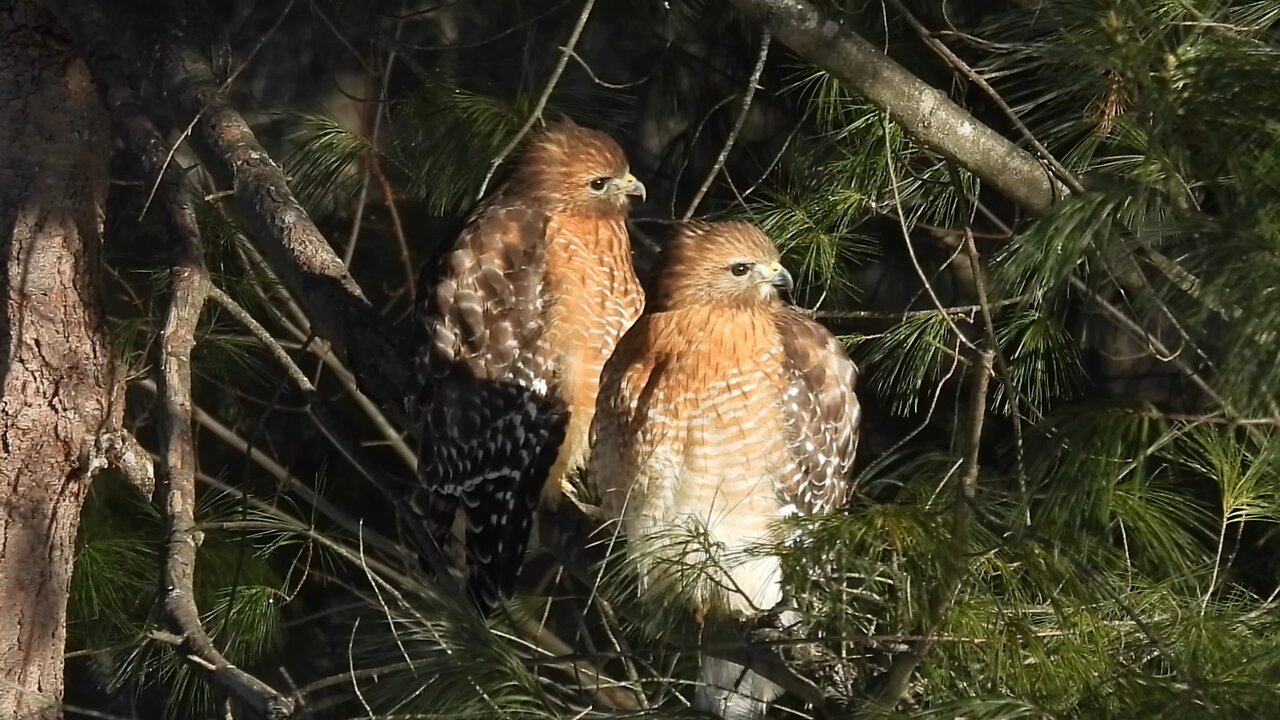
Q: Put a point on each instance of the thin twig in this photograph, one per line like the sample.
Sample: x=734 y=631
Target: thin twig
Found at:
x=375 y=166
x=1002 y=363
x=911 y=250
x=541 y=104
x=749 y=94
x=256 y=329
x=281 y=474
x=898 y=678
x=397 y=228
x=965 y=311
x=591 y=74
x=301 y=329
x=777 y=158
x=315 y=407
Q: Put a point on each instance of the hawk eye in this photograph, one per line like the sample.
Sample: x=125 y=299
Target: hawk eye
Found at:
x=598 y=184
x=740 y=269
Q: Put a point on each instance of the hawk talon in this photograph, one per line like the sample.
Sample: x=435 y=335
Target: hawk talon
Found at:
x=570 y=491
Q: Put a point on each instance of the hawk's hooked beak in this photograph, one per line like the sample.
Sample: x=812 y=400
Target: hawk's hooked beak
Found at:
x=781 y=278
x=630 y=185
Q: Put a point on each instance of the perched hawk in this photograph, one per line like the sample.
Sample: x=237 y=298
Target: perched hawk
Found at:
x=726 y=409
x=528 y=305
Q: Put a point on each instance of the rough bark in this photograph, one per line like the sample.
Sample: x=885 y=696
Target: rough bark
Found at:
x=59 y=389
x=923 y=111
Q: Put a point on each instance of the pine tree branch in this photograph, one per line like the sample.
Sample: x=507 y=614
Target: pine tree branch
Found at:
x=1064 y=175
x=286 y=479
x=321 y=349
x=924 y=112
x=897 y=679
x=176 y=490
x=315 y=405
x=754 y=645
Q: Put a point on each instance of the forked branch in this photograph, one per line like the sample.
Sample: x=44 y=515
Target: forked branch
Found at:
x=175 y=492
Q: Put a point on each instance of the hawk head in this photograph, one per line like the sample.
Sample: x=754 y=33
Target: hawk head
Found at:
x=567 y=168
x=720 y=263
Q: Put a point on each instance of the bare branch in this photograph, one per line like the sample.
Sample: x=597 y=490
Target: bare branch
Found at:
x=176 y=474
x=898 y=678
x=176 y=492
x=924 y=112
x=282 y=475
x=565 y=51
x=749 y=94
x=375 y=167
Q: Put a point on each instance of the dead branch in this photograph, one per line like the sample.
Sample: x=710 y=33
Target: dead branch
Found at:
x=283 y=477
x=897 y=679
x=924 y=112
x=175 y=492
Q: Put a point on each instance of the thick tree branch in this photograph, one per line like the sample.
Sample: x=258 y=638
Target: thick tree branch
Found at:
x=924 y=112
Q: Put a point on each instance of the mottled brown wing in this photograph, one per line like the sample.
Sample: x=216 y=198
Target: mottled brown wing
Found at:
x=821 y=415
x=489 y=431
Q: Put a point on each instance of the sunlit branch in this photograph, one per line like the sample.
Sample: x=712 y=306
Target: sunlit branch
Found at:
x=924 y=112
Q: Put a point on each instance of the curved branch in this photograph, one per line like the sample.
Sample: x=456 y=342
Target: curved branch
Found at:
x=176 y=491
x=924 y=112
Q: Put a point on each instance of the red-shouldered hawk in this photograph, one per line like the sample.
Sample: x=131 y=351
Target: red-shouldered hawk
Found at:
x=531 y=300
x=724 y=408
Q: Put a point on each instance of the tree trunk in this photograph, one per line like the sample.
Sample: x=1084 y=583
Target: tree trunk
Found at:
x=56 y=365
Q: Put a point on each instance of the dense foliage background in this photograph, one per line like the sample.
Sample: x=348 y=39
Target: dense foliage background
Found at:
x=1088 y=534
